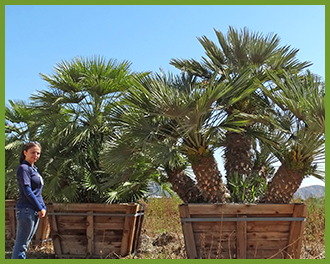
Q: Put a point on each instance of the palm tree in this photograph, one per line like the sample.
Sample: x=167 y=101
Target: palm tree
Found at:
x=237 y=51
x=190 y=120
x=19 y=129
x=73 y=118
x=133 y=143
x=303 y=99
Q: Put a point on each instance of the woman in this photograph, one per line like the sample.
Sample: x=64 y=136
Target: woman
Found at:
x=30 y=205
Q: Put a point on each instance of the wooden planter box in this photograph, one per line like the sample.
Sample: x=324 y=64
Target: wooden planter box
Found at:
x=233 y=231
x=95 y=230
x=42 y=233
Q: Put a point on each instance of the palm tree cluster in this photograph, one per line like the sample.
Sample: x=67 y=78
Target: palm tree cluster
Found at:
x=107 y=132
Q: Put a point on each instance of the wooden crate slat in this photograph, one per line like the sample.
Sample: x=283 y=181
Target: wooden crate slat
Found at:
x=108 y=239
x=104 y=249
x=296 y=232
x=128 y=233
x=108 y=233
x=266 y=244
x=138 y=229
x=90 y=233
x=213 y=226
x=224 y=236
x=107 y=219
x=262 y=226
x=241 y=238
x=55 y=235
x=110 y=225
x=73 y=225
x=188 y=233
x=85 y=207
x=265 y=254
x=268 y=235
x=241 y=209
x=74 y=238
x=214 y=245
x=218 y=253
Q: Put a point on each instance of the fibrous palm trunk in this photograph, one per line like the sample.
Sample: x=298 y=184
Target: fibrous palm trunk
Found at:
x=238 y=153
x=283 y=186
x=209 y=179
x=184 y=186
x=238 y=157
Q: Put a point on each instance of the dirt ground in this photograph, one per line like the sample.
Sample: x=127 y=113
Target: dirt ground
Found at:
x=167 y=245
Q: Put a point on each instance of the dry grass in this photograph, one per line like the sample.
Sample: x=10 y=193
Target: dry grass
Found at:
x=162 y=236
x=314 y=235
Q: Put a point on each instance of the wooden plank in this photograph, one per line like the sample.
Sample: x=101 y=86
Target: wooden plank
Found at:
x=206 y=216
x=268 y=235
x=264 y=226
x=10 y=218
x=63 y=227
x=46 y=228
x=107 y=239
x=85 y=207
x=40 y=234
x=217 y=253
x=221 y=255
x=296 y=232
x=138 y=229
x=107 y=233
x=107 y=219
x=220 y=209
x=105 y=249
x=265 y=254
x=74 y=238
x=109 y=226
x=12 y=226
x=90 y=233
x=241 y=238
x=187 y=229
x=55 y=236
x=128 y=233
x=266 y=244
x=213 y=226
x=10 y=203
x=211 y=238
x=270 y=216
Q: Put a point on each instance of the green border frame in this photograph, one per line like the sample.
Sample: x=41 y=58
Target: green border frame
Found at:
x=148 y=2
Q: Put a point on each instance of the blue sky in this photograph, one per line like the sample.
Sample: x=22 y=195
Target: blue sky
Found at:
x=37 y=37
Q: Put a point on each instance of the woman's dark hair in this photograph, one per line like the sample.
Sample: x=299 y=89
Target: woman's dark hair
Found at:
x=26 y=147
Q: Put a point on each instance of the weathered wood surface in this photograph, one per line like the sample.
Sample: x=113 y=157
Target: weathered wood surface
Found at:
x=83 y=232
x=243 y=239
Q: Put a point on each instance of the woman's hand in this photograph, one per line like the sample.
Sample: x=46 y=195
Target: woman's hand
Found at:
x=42 y=213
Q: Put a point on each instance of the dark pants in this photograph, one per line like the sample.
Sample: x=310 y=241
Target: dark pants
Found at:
x=27 y=224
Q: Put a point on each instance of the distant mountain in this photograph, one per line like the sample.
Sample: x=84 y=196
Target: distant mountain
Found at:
x=312 y=190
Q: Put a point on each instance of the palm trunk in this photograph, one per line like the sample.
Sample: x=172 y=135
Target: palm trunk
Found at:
x=238 y=159
x=209 y=179
x=283 y=186
x=184 y=186
x=238 y=154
